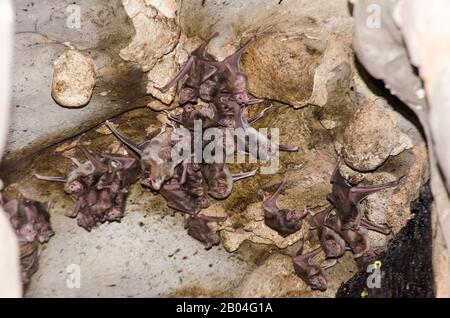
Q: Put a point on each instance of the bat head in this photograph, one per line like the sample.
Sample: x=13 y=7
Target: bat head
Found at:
x=207 y=90
x=187 y=95
x=28 y=232
x=318 y=282
x=74 y=187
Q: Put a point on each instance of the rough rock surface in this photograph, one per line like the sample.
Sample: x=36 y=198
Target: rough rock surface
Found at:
x=153 y=45
x=281 y=67
x=371 y=137
x=74 y=79
x=42 y=35
x=331 y=88
x=276 y=278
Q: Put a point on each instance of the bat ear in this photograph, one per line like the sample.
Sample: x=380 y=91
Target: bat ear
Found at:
x=261 y=195
x=300 y=250
x=336 y=173
x=93 y=159
x=122 y=138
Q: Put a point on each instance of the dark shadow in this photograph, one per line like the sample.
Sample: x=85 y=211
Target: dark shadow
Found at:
x=379 y=89
x=406 y=265
x=350 y=7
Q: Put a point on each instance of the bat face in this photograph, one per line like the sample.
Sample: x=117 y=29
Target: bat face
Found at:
x=207 y=90
x=332 y=244
x=187 y=95
x=75 y=187
x=219 y=180
x=310 y=271
x=285 y=221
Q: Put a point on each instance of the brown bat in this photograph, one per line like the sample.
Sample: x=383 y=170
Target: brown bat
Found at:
x=208 y=117
x=82 y=176
x=333 y=245
x=101 y=190
x=197 y=70
x=31 y=222
x=192 y=181
x=346 y=198
x=198 y=228
x=284 y=221
x=156 y=158
x=220 y=180
x=231 y=80
x=310 y=271
x=179 y=199
x=357 y=239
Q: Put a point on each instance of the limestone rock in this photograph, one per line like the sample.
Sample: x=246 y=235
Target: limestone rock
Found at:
x=154 y=46
x=255 y=231
x=163 y=71
x=275 y=278
x=336 y=59
x=37 y=121
x=281 y=67
x=371 y=137
x=156 y=35
x=74 y=79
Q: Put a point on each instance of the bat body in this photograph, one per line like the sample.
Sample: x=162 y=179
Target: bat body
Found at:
x=346 y=198
x=332 y=243
x=100 y=186
x=284 y=221
x=31 y=222
x=198 y=228
x=310 y=271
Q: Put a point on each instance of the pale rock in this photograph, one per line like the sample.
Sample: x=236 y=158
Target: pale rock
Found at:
x=156 y=35
x=74 y=78
x=371 y=137
x=281 y=67
x=276 y=278
x=159 y=106
x=254 y=230
x=163 y=71
x=337 y=51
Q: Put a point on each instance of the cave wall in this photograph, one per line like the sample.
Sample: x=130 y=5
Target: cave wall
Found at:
x=302 y=62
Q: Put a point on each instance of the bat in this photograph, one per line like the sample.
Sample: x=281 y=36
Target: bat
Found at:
x=284 y=221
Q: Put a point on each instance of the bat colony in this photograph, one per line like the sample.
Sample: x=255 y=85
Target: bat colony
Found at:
x=100 y=184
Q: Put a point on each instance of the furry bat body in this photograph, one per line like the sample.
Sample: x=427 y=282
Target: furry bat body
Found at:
x=220 y=180
x=346 y=198
x=193 y=74
x=284 y=221
x=310 y=271
x=198 y=228
x=332 y=243
x=31 y=221
x=156 y=158
x=100 y=194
